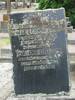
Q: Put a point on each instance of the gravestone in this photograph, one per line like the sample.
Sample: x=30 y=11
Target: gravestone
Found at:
x=39 y=49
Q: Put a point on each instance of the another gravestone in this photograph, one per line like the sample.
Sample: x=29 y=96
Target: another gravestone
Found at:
x=39 y=52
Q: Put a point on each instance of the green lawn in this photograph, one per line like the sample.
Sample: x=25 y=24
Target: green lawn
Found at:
x=4 y=42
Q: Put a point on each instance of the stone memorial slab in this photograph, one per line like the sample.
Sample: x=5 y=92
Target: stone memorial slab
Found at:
x=39 y=51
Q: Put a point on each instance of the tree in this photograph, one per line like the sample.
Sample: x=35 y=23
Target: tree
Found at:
x=69 y=6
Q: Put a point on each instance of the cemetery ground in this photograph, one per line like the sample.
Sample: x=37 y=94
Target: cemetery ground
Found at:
x=6 y=77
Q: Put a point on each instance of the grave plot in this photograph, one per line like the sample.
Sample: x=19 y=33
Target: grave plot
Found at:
x=39 y=49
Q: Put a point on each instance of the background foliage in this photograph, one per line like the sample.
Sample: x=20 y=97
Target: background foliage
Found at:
x=69 y=6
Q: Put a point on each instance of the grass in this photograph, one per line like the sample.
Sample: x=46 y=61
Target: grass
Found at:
x=4 y=42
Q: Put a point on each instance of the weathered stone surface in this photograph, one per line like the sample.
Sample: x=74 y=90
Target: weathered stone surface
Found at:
x=39 y=52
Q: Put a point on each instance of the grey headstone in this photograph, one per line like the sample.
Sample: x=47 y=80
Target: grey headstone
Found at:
x=39 y=52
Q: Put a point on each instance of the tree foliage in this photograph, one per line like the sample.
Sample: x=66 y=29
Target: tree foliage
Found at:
x=69 y=6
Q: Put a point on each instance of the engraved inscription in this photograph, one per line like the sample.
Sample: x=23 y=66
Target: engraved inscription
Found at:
x=37 y=34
